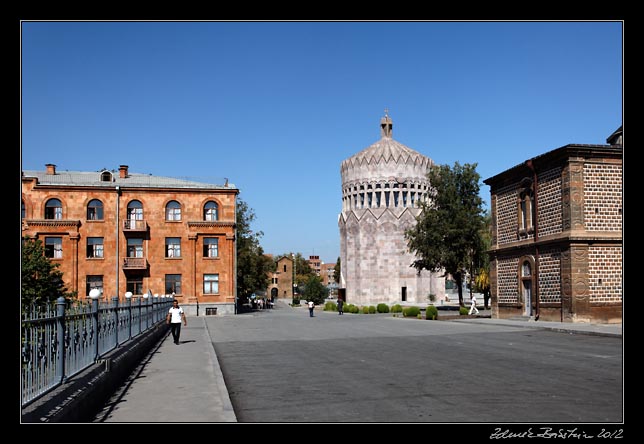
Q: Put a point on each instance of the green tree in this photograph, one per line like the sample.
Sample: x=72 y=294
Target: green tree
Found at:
x=447 y=235
x=41 y=281
x=336 y=271
x=252 y=264
x=313 y=290
x=482 y=280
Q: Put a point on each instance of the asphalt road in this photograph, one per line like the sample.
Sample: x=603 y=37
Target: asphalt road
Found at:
x=283 y=366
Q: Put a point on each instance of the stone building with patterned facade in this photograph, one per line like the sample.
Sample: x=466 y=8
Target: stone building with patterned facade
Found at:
x=124 y=232
x=557 y=235
x=382 y=187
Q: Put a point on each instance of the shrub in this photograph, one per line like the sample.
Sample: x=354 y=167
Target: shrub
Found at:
x=411 y=312
x=431 y=313
x=372 y=309
x=365 y=310
x=463 y=311
x=383 y=308
x=355 y=309
x=330 y=306
x=347 y=308
x=396 y=308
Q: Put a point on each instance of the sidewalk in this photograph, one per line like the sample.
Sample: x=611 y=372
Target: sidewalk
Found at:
x=175 y=383
x=611 y=330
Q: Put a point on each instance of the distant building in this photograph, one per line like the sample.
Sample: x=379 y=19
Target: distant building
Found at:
x=124 y=232
x=281 y=281
x=327 y=273
x=557 y=235
x=382 y=187
x=315 y=264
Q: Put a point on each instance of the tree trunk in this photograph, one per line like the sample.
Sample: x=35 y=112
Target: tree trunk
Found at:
x=458 y=277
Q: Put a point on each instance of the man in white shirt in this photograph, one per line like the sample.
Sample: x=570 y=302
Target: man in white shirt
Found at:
x=311 y=307
x=174 y=318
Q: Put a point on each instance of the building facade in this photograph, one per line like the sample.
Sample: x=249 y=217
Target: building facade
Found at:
x=382 y=187
x=557 y=235
x=281 y=281
x=124 y=232
x=315 y=263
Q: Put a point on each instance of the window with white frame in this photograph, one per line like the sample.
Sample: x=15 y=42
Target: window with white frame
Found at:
x=172 y=283
x=134 y=247
x=54 y=247
x=93 y=282
x=210 y=247
x=95 y=210
x=172 y=247
x=134 y=285
x=54 y=209
x=211 y=211
x=211 y=284
x=134 y=213
x=173 y=210
x=94 y=247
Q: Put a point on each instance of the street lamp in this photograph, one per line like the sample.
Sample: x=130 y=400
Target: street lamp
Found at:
x=94 y=294
x=128 y=297
x=294 y=276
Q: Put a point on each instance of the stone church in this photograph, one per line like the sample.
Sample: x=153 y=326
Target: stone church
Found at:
x=382 y=187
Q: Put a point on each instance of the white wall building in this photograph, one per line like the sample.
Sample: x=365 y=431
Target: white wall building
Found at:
x=382 y=187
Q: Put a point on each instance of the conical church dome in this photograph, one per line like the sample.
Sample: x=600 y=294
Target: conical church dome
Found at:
x=385 y=159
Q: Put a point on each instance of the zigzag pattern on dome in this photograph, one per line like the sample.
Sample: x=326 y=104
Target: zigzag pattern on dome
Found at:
x=386 y=150
x=378 y=213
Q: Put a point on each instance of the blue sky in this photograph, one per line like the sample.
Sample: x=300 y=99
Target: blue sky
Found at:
x=276 y=106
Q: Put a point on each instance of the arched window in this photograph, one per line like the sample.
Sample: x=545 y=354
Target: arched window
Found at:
x=95 y=210
x=173 y=210
x=525 y=208
x=54 y=209
x=135 y=210
x=211 y=211
x=134 y=213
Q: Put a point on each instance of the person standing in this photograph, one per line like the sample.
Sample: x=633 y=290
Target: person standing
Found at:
x=311 y=307
x=473 y=307
x=340 y=305
x=174 y=319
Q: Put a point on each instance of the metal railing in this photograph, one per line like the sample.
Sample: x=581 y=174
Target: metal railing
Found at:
x=59 y=341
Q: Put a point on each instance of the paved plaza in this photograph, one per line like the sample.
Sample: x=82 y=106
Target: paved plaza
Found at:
x=283 y=366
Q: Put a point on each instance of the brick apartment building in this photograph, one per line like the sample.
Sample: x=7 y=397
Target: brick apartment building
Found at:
x=315 y=263
x=557 y=235
x=124 y=232
x=281 y=281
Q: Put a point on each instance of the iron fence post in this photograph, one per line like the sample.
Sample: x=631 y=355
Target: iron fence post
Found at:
x=128 y=296
x=95 y=322
x=60 y=338
x=139 y=305
x=115 y=302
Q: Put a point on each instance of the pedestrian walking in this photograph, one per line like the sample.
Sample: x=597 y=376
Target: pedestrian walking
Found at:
x=311 y=307
x=473 y=307
x=340 y=306
x=174 y=318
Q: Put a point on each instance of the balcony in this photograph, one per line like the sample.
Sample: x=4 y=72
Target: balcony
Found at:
x=135 y=226
x=135 y=263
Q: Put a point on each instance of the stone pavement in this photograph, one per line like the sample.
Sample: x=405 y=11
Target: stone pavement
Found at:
x=175 y=383
x=184 y=383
